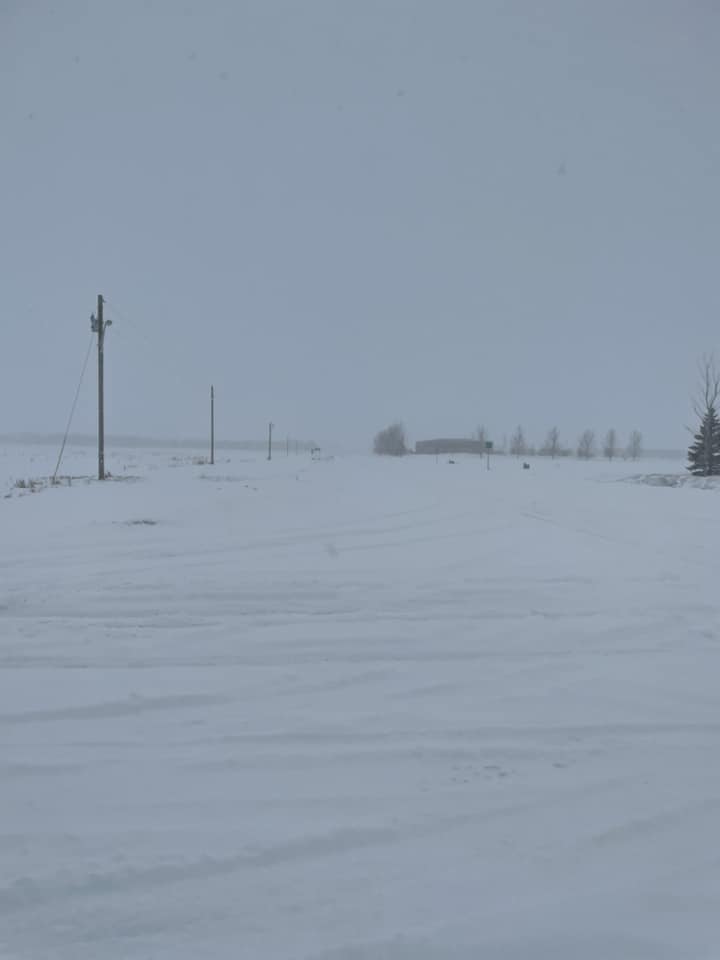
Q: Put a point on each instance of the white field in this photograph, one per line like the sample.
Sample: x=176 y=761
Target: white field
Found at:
x=394 y=710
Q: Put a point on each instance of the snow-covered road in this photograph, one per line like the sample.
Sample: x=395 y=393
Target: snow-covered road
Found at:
x=394 y=710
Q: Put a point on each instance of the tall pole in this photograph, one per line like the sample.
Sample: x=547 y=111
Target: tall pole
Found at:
x=98 y=326
x=212 y=425
x=270 y=430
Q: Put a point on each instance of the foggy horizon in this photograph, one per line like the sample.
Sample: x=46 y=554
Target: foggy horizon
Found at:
x=343 y=215
x=364 y=697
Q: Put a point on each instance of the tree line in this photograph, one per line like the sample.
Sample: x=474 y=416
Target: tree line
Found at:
x=703 y=454
x=586 y=447
x=392 y=442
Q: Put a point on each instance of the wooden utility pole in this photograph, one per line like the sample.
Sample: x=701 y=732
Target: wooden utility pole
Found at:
x=212 y=425
x=98 y=326
x=270 y=430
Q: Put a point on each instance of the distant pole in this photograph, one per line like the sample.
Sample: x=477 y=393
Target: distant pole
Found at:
x=212 y=425
x=270 y=430
x=98 y=325
x=287 y=447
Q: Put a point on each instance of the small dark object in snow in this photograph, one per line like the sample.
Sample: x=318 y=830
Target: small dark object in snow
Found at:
x=526 y=466
x=451 y=461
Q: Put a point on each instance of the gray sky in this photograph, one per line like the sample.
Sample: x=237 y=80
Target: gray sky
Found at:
x=348 y=212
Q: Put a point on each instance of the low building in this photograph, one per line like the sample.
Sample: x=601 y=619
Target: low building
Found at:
x=449 y=446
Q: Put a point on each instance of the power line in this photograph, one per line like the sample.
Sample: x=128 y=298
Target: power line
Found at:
x=170 y=364
x=72 y=410
x=173 y=363
x=128 y=321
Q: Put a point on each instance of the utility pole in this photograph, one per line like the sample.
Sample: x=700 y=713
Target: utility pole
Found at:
x=287 y=447
x=212 y=425
x=98 y=326
x=270 y=430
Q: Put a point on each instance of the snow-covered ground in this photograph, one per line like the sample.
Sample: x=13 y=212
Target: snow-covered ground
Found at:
x=359 y=708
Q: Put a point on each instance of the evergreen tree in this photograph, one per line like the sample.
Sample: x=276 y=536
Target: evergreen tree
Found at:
x=704 y=453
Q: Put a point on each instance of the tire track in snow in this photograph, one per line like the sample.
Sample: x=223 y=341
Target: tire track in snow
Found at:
x=27 y=893
x=117 y=708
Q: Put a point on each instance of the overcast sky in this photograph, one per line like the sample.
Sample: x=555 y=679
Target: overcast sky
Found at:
x=343 y=213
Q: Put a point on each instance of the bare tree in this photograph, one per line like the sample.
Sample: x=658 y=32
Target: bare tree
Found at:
x=390 y=442
x=610 y=447
x=518 y=446
x=481 y=435
x=709 y=389
x=552 y=443
x=586 y=445
x=634 y=447
x=704 y=453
